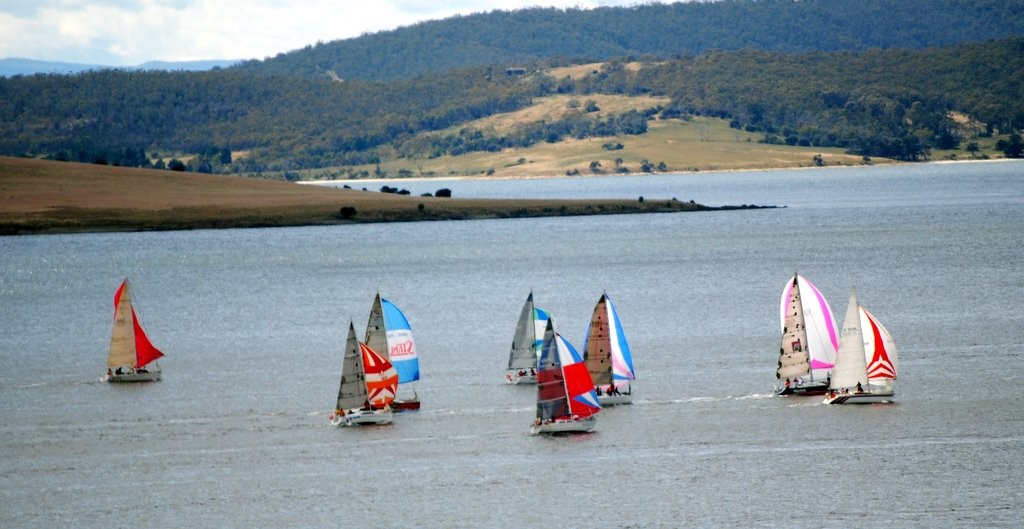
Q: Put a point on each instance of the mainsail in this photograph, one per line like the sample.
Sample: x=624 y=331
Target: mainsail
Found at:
x=564 y=387
x=851 y=365
x=809 y=341
x=352 y=392
x=388 y=332
x=605 y=347
x=529 y=336
x=129 y=345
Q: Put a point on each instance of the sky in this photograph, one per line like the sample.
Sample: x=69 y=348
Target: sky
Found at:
x=131 y=32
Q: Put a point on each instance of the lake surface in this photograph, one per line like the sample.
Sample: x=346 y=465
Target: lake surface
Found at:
x=253 y=323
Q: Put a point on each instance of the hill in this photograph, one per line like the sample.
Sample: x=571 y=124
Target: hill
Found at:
x=528 y=36
x=669 y=145
x=896 y=104
x=906 y=103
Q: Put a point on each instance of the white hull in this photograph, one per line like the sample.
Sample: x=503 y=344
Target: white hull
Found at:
x=614 y=400
x=362 y=417
x=579 y=425
x=866 y=397
x=150 y=376
x=515 y=379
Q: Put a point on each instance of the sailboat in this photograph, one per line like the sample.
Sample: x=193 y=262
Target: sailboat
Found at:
x=367 y=388
x=566 y=400
x=526 y=343
x=130 y=351
x=606 y=353
x=807 y=351
x=389 y=333
x=866 y=364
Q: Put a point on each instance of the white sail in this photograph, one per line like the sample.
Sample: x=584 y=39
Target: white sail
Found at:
x=122 y=338
x=528 y=337
x=851 y=366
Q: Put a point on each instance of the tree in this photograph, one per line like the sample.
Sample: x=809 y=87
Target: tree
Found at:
x=1013 y=148
x=385 y=154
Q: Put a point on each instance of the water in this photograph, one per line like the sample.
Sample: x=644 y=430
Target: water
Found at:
x=253 y=324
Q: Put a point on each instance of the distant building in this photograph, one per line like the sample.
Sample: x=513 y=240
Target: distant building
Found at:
x=515 y=71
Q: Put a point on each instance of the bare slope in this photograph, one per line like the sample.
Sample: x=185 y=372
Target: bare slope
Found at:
x=696 y=144
x=47 y=196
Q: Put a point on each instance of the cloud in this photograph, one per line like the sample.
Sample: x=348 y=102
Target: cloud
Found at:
x=130 y=32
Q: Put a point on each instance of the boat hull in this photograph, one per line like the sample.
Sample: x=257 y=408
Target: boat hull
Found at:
x=146 y=376
x=812 y=388
x=362 y=417
x=565 y=426
x=614 y=400
x=405 y=405
x=873 y=397
x=516 y=379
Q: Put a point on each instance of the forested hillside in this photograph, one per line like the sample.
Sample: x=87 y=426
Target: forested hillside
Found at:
x=898 y=102
x=659 y=30
x=893 y=103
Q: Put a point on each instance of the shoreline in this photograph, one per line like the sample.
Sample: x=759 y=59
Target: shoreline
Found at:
x=509 y=210
x=48 y=197
x=471 y=178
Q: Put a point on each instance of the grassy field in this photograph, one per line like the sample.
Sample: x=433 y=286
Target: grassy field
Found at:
x=698 y=144
x=41 y=196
